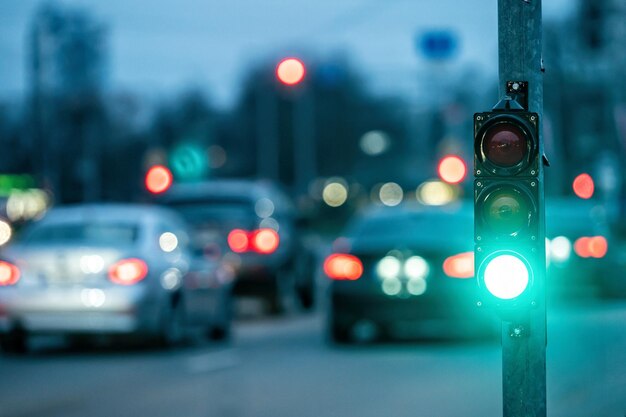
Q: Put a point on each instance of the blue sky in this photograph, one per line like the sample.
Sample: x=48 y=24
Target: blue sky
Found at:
x=158 y=47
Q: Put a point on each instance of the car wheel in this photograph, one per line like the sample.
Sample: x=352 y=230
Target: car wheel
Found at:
x=15 y=342
x=222 y=329
x=173 y=330
x=338 y=329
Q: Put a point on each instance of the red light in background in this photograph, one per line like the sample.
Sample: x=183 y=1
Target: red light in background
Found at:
x=591 y=247
x=238 y=240
x=583 y=186
x=452 y=169
x=158 y=179
x=460 y=265
x=9 y=274
x=264 y=241
x=598 y=246
x=290 y=71
x=343 y=267
x=581 y=247
x=128 y=271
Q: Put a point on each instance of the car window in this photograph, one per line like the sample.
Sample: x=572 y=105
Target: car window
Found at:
x=217 y=214
x=100 y=233
x=411 y=226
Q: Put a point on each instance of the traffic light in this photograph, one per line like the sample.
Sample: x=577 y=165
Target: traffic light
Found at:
x=508 y=207
x=290 y=71
x=158 y=179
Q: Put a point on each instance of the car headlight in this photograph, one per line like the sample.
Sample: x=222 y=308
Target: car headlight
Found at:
x=388 y=267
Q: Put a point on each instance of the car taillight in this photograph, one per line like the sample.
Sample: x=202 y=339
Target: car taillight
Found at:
x=460 y=265
x=343 y=267
x=591 y=247
x=9 y=274
x=128 y=271
x=264 y=241
x=238 y=240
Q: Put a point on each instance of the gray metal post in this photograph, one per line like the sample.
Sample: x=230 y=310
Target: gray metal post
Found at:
x=268 y=148
x=305 y=156
x=524 y=341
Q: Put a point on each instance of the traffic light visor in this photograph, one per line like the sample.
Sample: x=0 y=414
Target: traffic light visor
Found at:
x=506 y=276
x=505 y=145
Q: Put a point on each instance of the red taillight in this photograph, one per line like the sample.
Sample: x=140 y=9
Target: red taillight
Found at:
x=9 y=274
x=238 y=240
x=264 y=241
x=343 y=266
x=460 y=265
x=591 y=247
x=128 y=271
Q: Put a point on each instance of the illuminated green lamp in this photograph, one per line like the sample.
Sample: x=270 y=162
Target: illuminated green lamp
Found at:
x=189 y=162
x=506 y=276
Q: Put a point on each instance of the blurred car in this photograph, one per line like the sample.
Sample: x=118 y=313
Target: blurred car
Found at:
x=405 y=270
x=254 y=226
x=109 y=269
x=583 y=256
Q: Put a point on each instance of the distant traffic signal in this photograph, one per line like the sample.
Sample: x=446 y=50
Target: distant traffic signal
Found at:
x=290 y=71
x=508 y=206
x=158 y=179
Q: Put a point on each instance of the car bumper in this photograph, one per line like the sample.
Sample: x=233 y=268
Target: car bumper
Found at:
x=79 y=310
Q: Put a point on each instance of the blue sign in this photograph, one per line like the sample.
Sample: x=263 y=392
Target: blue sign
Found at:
x=437 y=45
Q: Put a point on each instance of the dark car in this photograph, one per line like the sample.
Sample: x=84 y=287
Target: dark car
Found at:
x=253 y=225
x=406 y=269
x=115 y=270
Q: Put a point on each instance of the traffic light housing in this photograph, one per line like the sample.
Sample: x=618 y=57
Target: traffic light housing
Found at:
x=509 y=233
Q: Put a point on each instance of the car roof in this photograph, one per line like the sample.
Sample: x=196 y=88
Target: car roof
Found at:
x=226 y=188
x=441 y=227
x=122 y=212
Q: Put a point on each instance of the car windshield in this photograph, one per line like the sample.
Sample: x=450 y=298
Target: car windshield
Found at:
x=101 y=233
x=217 y=214
x=411 y=227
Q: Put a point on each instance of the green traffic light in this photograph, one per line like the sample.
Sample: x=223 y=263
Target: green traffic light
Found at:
x=506 y=276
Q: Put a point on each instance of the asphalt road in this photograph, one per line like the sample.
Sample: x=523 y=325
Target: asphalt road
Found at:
x=283 y=367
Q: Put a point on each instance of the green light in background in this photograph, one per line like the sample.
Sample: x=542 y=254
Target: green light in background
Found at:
x=189 y=162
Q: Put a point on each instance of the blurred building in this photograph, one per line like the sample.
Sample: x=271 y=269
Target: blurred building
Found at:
x=586 y=97
x=67 y=73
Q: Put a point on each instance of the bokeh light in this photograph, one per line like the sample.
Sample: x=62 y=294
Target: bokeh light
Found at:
x=388 y=267
x=290 y=71
x=374 y=142
x=335 y=194
x=416 y=267
x=264 y=207
x=560 y=249
x=168 y=242
x=158 y=179
x=391 y=194
x=435 y=193
x=583 y=186
x=5 y=232
x=452 y=169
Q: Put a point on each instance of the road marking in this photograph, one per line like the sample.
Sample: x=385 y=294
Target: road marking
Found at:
x=212 y=361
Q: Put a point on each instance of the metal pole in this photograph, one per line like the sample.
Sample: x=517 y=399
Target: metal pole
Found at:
x=524 y=340
x=305 y=158
x=267 y=134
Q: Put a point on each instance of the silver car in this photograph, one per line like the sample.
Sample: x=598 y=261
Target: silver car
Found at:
x=110 y=269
